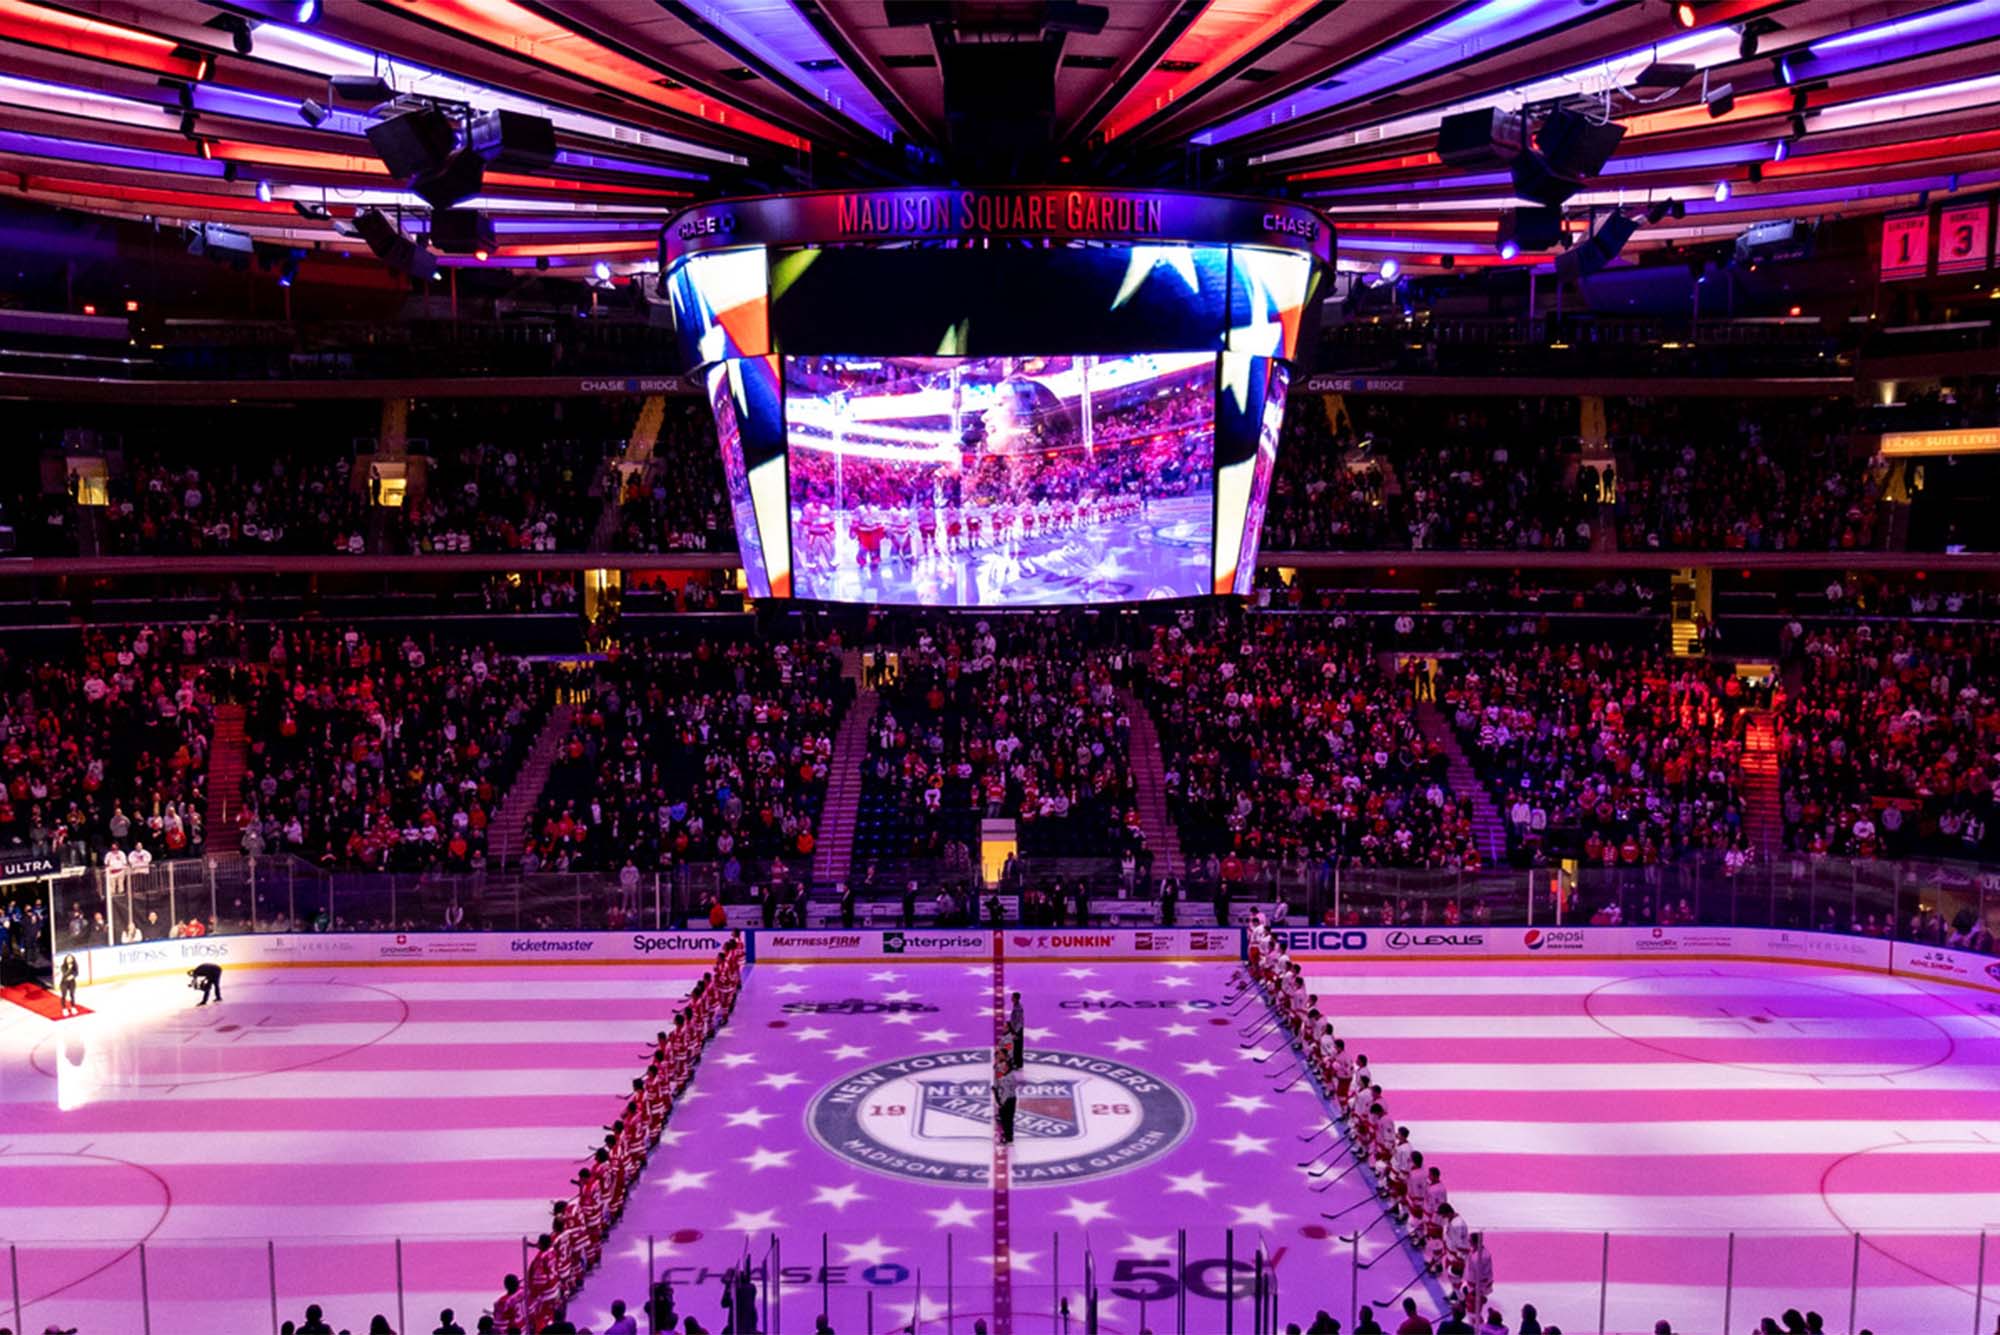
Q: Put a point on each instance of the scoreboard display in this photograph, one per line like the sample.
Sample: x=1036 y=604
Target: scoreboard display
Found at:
x=1027 y=397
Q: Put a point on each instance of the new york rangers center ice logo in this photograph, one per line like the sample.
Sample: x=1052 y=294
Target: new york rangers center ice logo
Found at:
x=929 y=1118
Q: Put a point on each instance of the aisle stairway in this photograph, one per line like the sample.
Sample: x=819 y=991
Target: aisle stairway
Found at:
x=1489 y=831
x=1149 y=777
x=227 y=749
x=833 y=841
x=506 y=833
x=1763 y=810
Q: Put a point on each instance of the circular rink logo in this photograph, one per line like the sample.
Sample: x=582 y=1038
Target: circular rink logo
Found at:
x=929 y=1118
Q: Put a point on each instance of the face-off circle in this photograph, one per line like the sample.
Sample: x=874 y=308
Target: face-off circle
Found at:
x=929 y=1118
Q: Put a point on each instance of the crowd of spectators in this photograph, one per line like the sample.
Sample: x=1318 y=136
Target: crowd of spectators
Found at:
x=376 y=754
x=1004 y=717
x=676 y=503
x=106 y=747
x=1287 y=741
x=1616 y=755
x=1716 y=475
x=710 y=753
x=278 y=499
x=512 y=475
x=1888 y=736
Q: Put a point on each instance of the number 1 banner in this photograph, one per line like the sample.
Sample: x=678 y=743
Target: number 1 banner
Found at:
x=1906 y=245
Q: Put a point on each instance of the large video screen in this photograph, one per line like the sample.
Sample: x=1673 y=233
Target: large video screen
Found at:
x=1001 y=481
x=843 y=300
x=1249 y=418
x=721 y=306
x=749 y=428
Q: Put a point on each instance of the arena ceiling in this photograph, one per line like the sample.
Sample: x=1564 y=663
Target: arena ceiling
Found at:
x=184 y=111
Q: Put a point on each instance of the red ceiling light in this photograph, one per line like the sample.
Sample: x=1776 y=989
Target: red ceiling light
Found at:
x=76 y=34
x=89 y=309
x=1685 y=16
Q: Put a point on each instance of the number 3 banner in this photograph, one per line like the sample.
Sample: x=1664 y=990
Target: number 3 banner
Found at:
x=1906 y=245
x=1965 y=237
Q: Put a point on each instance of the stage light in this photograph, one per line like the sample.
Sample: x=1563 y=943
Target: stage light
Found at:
x=1509 y=248
x=1780 y=151
x=313 y=113
x=1722 y=192
x=1390 y=269
x=1658 y=212
x=601 y=271
x=290 y=269
x=1684 y=15
x=311 y=212
x=305 y=11
x=264 y=191
x=1782 y=67
x=480 y=255
x=369 y=88
x=1721 y=100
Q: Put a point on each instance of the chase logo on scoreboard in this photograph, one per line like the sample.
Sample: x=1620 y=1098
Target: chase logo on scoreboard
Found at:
x=930 y=1118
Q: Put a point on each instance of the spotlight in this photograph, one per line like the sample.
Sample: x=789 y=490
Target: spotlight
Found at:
x=1754 y=31
x=1780 y=151
x=305 y=11
x=369 y=88
x=1722 y=192
x=311 y=212
x=237 y=28
x=1685 y=16
x=264 y=191
x=394 y=249
x=1447 y=262
x=1509 y=248
x=1390 y=268
x=602 y=271
x=290 y=269
x=1721 y=100
x=462 y=232
x=313 y=113
x=1658 y=211
x=1782 y=67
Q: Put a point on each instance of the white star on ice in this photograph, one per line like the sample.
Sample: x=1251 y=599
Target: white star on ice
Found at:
x=789 y=968
x=1091 y=1017
x=1175 y=980
x=1196 y=1183
x=1018 y=1261
x=754 y=1118
x=1180 y=1031
x=1244 y=1143
x=955 y=1215
x=900 y=994
x=1147 y=1249
x=884 y=976
x=1246 y=1102
x=690 y=1095
x=1035 y=1033
x=1128 y=1045
x=1141 y=262
x=808 y=1035
x=839 y=1197
x=936 y=1036
x=781 y=1080
x=849 y=1052
x=908 y=1317
x=1099 y=994
x=872 y=1252
x=1256 y=1216
x=1181 y=964
x=1079 y=973
x=732 y=1060
x=671 y=1138
x=764 y=1158
x=900 y=1017
x=1200 y=1068
x=683 y=1180
x=761 y=1222
x=979 y=970
x=1086 y=1212
x=788 y=989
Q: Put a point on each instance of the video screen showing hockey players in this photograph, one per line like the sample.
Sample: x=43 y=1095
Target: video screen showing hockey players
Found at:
x=1001 y=481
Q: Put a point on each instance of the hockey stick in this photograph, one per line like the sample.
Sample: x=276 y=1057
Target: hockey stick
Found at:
x=1347 y=1209
x=1326 y=1184
x=1262 y=1025
x=1368 y=1227
x=1391 y=1302
x=1307 y=1140
x=1286 y=1088
x=1260 y=1060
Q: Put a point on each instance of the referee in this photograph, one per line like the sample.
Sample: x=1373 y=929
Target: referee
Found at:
x=1005 y=1092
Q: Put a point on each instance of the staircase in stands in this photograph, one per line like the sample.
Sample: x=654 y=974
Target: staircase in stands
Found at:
x=1489 y=831
x=227 y=748
x=833 y=841
x=1149 y=777
x=506 y=833
x=1763 y=810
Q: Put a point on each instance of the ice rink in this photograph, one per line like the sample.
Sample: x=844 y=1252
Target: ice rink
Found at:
x=290 y=1136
